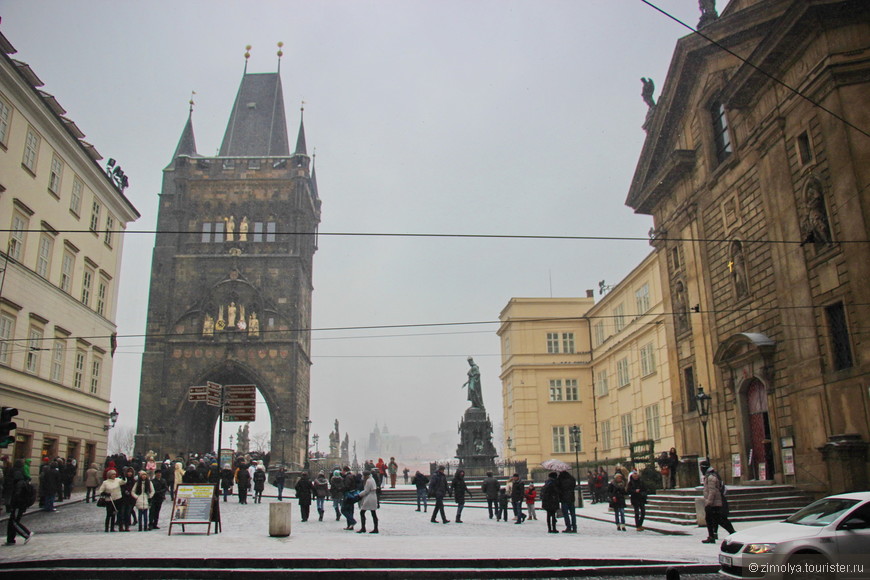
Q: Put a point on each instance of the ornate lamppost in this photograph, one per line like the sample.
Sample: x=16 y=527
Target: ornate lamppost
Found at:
x=703 y=400
x=113 y=418
x=575 y=441
x=307 y=423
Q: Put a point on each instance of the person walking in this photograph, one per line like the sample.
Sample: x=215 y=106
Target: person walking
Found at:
x=421 y=482
x=20 y=496
x=518 y=491
x=501 y=512
x=351 y=496
x=125 y=505
x=227 y=480
x=92 y=482
x=259 y=483
x=637 y=494
x=336 y=491
x=142 y=494
x=110 y=491
x=459 y=489
x=51 y=486
x=393 y=470
x=567 y=487
x=368 y=502
x=321 y=490
x=304 y=491
x=69 y=470
x=489 y=487
x=715 y=504
x=160 y=487
x=243 y=482
x=405 y=473
x=438 y=489
x=530 y=497
x=280 y=480
x=617 y=491
x=550 y=502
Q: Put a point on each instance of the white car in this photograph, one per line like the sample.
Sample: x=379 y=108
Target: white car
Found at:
x=829 y=538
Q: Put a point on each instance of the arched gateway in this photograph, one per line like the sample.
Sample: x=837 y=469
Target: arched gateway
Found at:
x=231 y=278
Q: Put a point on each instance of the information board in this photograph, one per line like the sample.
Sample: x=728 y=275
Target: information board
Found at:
x=192 y=505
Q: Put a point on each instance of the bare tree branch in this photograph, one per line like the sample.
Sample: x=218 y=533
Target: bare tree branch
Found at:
x=121 y=440
x=261 y=442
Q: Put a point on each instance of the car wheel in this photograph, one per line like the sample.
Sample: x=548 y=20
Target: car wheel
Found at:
x=808 y=566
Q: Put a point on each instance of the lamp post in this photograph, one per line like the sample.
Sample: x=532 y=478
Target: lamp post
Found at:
x=307 y=423
x=703 y=400
x=575 y=441
x=113 y=417
x=283 y=438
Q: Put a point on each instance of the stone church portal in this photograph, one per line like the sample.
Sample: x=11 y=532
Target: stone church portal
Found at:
x=231 y=278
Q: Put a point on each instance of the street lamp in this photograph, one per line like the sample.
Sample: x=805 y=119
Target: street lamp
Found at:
x=113 y=417
x=575 y=440
x=703 y=400
x=307 y=423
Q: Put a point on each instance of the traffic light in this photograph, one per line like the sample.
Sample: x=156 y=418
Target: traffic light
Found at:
x=7 y=426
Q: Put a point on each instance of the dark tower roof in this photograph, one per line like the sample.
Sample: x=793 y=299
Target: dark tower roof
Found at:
x=187 y=143
x=300 y=140
x=257 y=124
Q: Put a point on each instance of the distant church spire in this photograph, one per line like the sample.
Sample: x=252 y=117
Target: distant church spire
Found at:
x=301 y=149
x=187 y=142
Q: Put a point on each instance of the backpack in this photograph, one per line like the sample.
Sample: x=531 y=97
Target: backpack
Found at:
x=25 y=494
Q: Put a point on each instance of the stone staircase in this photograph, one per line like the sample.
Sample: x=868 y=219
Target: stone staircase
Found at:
x=745 y=503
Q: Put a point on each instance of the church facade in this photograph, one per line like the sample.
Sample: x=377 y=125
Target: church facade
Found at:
x=755 y=170
x=231 y=280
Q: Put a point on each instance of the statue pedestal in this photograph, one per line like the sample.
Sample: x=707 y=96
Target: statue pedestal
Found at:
x=475 y=452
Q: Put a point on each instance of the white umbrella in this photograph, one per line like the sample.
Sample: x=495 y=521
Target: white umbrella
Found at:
x=555 y=465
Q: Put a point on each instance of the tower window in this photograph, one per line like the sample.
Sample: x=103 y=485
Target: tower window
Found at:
x=840 y=344
x=805 y=148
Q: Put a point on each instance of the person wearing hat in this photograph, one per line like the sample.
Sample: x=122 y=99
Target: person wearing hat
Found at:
x=715 y=504
x=368 y=502
x=321 y=490
x=438 y=489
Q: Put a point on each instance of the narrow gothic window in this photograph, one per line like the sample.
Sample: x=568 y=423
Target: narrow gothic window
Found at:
x=840 y=343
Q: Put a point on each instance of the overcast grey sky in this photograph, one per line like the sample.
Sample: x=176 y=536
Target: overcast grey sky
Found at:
x=456 y=117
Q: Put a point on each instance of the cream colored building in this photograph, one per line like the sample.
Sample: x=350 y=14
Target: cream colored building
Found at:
x=62 y=220
x=546 y=378
x=632 y=399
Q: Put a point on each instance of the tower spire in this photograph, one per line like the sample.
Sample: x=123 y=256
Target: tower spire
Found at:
x=300 y=140
x=187 y=142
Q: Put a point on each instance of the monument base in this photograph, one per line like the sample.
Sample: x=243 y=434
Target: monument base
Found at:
x=476 y=453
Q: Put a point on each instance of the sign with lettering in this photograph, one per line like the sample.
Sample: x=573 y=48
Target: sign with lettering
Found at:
x=193 y=505
x=240 y=403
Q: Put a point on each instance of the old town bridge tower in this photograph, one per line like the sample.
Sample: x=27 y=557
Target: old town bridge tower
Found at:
x=231 y=279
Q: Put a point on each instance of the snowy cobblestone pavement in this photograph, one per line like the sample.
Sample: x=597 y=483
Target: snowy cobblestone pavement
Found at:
x=76 y=530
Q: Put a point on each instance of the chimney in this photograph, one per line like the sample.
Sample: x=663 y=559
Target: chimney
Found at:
x=590 y=294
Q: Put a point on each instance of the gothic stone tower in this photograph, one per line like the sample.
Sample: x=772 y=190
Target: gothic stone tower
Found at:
x=231 y=278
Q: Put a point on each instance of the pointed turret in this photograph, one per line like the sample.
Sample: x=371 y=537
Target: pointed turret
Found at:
x=187 y=143
x=300 y=140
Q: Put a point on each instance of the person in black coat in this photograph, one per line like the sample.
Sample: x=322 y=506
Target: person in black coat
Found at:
x=52 y=484
x=490 y=487
x=420 y=481
x=159 y=487
x=550 y=502
x=518 y=492
x=637 y=494
x=15 y=487
x=259 y=483
x=227 y=480
x=304 y=492
x=438 y=489
x=243 y=480
x=459 y=489
x=567 y=489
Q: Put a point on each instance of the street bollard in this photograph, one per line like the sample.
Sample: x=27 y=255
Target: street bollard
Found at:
x=279 y=519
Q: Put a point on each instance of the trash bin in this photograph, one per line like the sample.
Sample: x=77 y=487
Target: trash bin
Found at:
x=279 y=519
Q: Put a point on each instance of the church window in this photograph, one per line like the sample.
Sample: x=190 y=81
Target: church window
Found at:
x=721 y=132
x=270 y=231
x=206 y=232
x=689 y=382
x=804 y=148
x=219 y=232
x=839 y=331
x=258 y=231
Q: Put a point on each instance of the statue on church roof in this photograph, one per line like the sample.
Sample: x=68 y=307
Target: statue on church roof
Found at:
x=649 y=87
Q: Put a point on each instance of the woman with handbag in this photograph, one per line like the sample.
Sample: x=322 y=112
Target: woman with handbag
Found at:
x=109 y=493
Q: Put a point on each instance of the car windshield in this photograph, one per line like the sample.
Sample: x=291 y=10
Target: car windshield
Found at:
x=822 y=512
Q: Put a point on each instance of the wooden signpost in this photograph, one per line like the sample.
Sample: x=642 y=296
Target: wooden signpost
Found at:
x=195 y=504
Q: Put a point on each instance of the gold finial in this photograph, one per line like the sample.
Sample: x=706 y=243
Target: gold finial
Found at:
x=247 y=52
x=191 y=100
x=280 y=51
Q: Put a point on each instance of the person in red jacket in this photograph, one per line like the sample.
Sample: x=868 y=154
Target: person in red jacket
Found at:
x=531 y=494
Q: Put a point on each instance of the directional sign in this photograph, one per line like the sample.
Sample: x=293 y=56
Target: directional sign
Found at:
x=199 y=393
x=240 y=403
x=213 y=394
